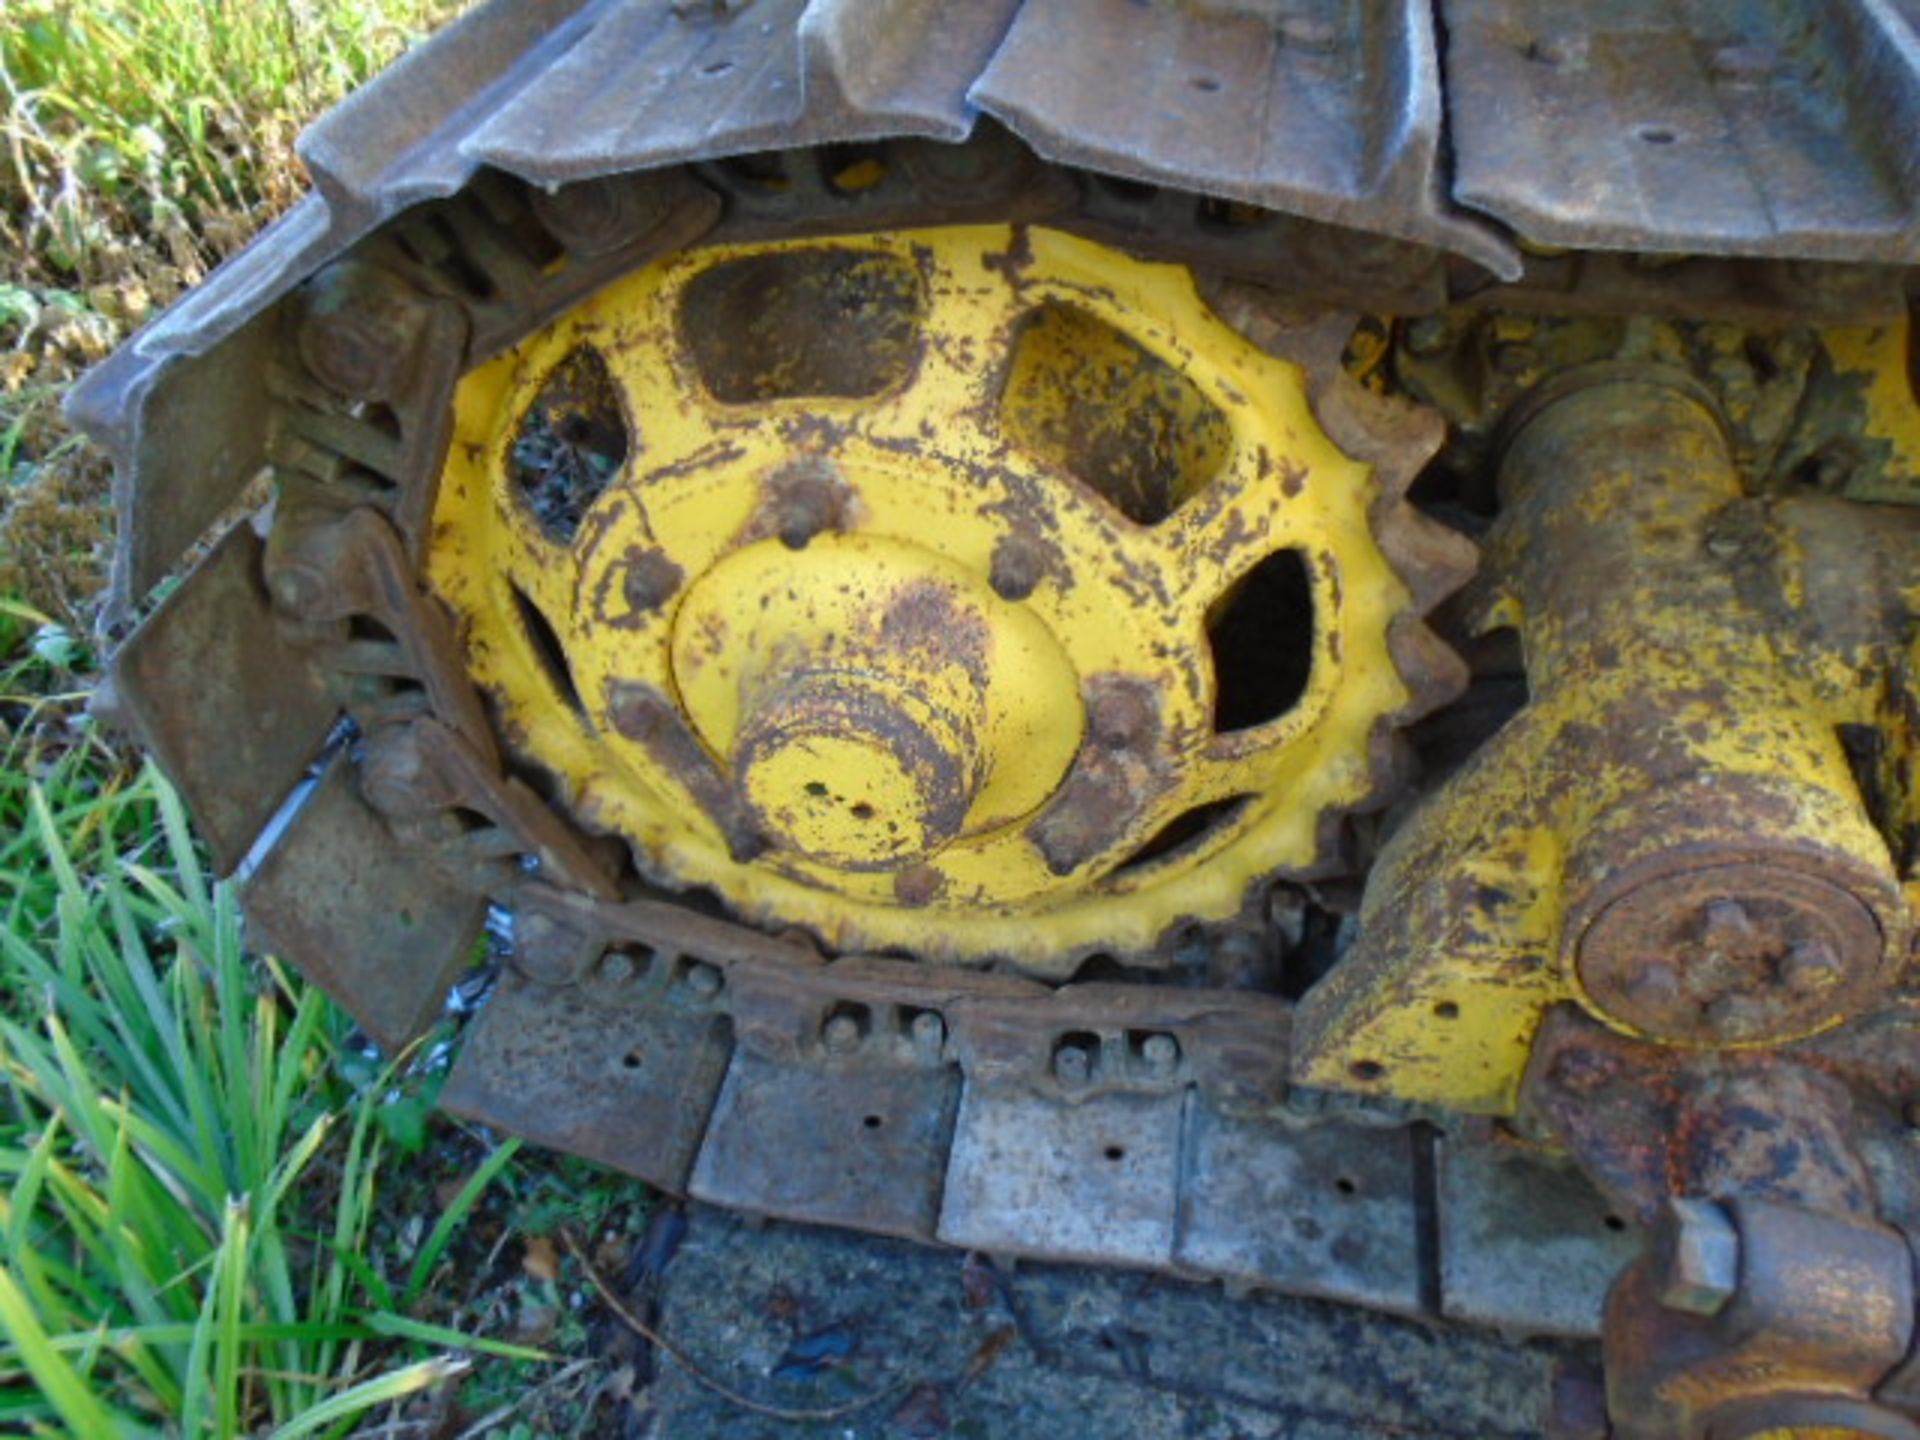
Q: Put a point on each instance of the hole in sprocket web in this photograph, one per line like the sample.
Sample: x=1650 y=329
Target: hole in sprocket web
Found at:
x=1093 y=401
x=1261 y=633
x=547 y=649
x=571 y=442
x=1186 y=832
x=822 y=323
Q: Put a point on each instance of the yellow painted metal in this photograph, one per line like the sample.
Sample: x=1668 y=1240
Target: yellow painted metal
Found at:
x=873 y=694
x=895 y=726
x=1671 y=722
x=1878 y=359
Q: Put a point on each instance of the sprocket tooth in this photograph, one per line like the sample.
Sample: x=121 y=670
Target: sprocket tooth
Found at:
x=1432 y=560
x=1433 y=670
x=378 y=924
x=211 y=687
x=1394 y=435
x=1397 y=438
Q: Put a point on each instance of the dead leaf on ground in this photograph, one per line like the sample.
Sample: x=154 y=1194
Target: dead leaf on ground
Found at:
x=988 y=1351
x=542 y=1260
x=922 y=1415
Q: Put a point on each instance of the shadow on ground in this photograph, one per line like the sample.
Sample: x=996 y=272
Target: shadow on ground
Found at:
x=810 y=1319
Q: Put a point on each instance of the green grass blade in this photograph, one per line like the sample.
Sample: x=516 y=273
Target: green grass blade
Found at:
x=57 y=1380
x=382 y=1390
x=403 y=1328
x=451 y=1219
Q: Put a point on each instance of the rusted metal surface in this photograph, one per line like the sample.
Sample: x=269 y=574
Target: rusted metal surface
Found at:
x=1768 y=1277
x=1709 y=882
x=233 y=734
x=1237 y=1179
x=1112 y=780
x=1707 y=128
x=790 y=73
x=1733 y=291
x=185 y=439
x=1730 y=953
x=736 y=751
x=1821 y=1308
x=517 y=81
x=1526 y=1244
x=1253 y=103
x=1646 y=1121
x=376 y=922
x=865 y=1144
x=623 y=1068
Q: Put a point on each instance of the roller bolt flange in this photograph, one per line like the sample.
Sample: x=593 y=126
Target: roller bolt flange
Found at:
x=1729 y=954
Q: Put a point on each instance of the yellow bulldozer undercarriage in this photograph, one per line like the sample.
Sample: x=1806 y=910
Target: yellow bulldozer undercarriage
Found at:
x=1138 y=617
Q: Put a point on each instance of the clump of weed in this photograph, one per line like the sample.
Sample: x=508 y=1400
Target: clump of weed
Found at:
x=165 y=1260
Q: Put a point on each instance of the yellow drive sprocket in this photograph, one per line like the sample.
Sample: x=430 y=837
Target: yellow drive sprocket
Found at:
x=973 y=591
